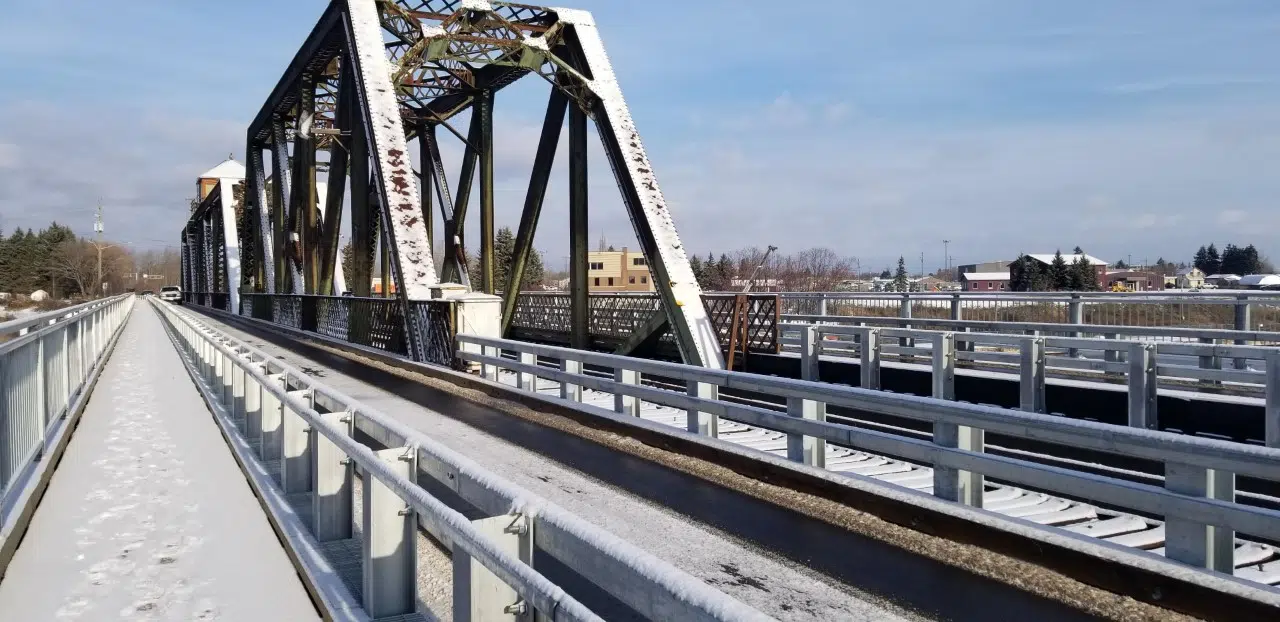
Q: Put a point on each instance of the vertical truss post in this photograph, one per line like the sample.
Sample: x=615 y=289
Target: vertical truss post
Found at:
x=336 y=185
x=280 y=203
x=542 y=162
x=484 y=108
x=263 y=243
x=453 y=271
x=425 y=160
x=455 y=228
x=230 y=243
x=302 y=208
x=579 y=294
x=363 y=219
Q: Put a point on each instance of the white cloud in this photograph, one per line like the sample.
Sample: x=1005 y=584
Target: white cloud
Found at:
x=1232 y=216
x=8 y=155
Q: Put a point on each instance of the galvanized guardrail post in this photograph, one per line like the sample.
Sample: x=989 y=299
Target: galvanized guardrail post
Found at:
x=624 y=404
x=1210 y=362
x=1075 y=313
x=488 y=371
x=1112 y=356
x=948 y=483
x=822 y=304
x=1142 y=386
x=701 y=422
x=389 y=543
x=1242 y=323
x=1031 y=376
x=526 y=381
x=800 y=448
x=295 y=461
x=1192 y=542
x=332 y=483
x=1272 y=412
x=904 y=312
x=569 y=391
x=869 y=350
x=957 y=315
x=478 y=594
x=269 y=433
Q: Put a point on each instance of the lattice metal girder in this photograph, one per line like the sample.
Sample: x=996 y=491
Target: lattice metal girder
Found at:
x=397 y=186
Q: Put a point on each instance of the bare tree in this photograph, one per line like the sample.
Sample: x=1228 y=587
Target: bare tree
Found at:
x=816 y=270
x=76 y=260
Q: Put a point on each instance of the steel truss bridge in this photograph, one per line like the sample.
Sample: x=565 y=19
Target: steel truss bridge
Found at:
x=402 y=442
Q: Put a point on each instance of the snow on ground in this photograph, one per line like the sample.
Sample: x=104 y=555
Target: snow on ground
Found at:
x=147 y=516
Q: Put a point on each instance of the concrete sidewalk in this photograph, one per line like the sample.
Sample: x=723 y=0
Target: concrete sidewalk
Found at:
x=148 y=517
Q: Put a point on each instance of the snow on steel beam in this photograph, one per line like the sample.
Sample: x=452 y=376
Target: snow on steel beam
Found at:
x=655 y=228
x=257 y=189
x=231 y=238
x=394 y=177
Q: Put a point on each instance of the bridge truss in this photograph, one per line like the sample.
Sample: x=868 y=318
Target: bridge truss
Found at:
x=377 y=76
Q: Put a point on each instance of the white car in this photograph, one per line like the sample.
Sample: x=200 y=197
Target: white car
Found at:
x=171 y=293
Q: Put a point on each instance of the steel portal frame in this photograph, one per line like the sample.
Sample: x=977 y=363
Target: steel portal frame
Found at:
x=374 y=75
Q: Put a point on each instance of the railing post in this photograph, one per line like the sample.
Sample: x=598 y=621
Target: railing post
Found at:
x=1272 y=411
x=478 y=594
x=1112 y=356
x=1242 y=323
x=527 y=381
x=332 y=501
x=295 y=463
x=869 y=349
x=237 y=406
x=701 y=422
x=489 y=371
x=1195 y=543
x=802 y=448
x=626 y=404
x=389 y=542
x=948 y=483
x=1031 y=378
x=226 y=366
x=905 y=312
x=822 y=304
x=569 y=391
x=1075 y=313
x=42 y=398
x=253 y=404
x=269 y=431
x=1142 y=386
x=1210 y=362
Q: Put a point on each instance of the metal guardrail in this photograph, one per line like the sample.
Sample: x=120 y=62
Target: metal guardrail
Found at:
x=45 y=365
x=1197 y=501
x=1235 y=310
x=310 y=428
x=1133 y=362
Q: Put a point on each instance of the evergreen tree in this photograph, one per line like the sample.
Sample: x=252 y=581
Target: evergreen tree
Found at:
x=1059 y=275
x=1213 y=263
x=1078 y=251
x=1201 y=260
x=724 y=274
x=900 y=282
x=699 y=271
x=886 y=274
x=1025 y=275
x=1082 y=276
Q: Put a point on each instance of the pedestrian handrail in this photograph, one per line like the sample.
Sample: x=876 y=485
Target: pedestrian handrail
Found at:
x=46 y=363
x=1134 y=362
x=300 y=432
x=1198 y=491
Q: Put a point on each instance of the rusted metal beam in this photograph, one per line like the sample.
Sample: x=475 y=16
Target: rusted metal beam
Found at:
x=484 y=108
x=542 y=163
x=579 y=291
x=279 y=204
x=301 y=219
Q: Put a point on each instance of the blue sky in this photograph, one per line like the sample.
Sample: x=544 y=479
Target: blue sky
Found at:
x=878 y=129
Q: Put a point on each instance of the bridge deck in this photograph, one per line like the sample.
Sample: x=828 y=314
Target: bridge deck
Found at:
x=147 y=515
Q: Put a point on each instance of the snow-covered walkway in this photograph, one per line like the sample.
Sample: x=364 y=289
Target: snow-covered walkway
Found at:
x=148 y=517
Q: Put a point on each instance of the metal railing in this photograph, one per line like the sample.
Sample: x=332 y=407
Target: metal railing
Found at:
x=309 y=428
x=1197 y=501
x=46 y=362
x=1135 y=363
x=1227 y=310
x=378 y=323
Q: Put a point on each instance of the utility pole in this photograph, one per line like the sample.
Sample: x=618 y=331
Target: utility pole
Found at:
x=946 y=256
x=922 y=264
x=97 y=231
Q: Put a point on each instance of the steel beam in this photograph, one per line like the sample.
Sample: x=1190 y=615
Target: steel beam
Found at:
x=336 y=185
x=280 y=202
x=255 y=194
x=301 y=217
x=484 y=108
x=579 y=293
x=542 y=163
x=424 y=160
x=655 y=228
x=455 y=228
x=363 y=219
x=230 y=241
x=406 y=234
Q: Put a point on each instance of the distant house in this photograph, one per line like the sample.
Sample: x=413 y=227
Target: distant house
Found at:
x=1099 y=266
x=1223 y=280
x=619 y=271
x=1135 y=280
x=1260 y=281
x=1189 y=278
x=985 y=281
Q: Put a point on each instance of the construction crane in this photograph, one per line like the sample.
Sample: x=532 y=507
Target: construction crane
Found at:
x=747 y=288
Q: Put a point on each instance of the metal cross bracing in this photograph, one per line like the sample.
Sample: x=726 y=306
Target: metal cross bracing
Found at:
x=375 y=76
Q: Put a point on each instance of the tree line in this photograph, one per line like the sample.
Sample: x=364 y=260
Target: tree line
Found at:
x=811 y=270
x=1233 y=260
x=64 y=265
x=1027 y=274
